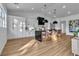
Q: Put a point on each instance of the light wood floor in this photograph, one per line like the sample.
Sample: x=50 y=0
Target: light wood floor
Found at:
x=31 y=47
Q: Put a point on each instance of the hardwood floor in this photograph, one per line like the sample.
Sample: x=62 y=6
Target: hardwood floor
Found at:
x=31 y=47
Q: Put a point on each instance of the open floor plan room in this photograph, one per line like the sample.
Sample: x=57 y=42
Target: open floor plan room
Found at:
x=39 y=29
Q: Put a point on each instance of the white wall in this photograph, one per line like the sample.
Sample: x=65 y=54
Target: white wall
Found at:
x=3 y=38
x=67 y=19
x=31 y=21
x=3 y=33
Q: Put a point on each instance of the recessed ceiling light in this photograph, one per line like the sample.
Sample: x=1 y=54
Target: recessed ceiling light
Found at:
x=17 y=6
x=64 y=6
x=49 y=12
x=32 y=8
x=54 y=16
x=69 y=12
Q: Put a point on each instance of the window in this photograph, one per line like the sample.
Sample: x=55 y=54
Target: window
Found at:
x=20 y=30
x=22 y=26
x=3 y=14
x=3 y=18
x=0 y=11
x=15 y=24
x=15 y=21
x=18 y=25
x=3 y=23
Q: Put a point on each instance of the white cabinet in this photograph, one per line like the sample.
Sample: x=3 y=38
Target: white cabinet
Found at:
x=75 y=46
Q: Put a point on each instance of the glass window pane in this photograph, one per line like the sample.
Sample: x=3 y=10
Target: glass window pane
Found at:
x=15 y=21
x=0 y=12
x=3 y=14
x=21 y=24
x=15 y=26
x=3 y=23
x=20 y=30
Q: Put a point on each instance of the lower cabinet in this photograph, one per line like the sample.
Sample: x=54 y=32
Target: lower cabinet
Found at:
x=75 y=46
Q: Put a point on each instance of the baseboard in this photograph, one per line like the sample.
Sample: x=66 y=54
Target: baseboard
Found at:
x=31 y=37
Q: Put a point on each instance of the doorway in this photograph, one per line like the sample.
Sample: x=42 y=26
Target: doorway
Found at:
x=63 y=26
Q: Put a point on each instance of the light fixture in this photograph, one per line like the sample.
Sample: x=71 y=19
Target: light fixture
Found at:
x=54 y=16
x=49 y=12
x=17 y=6
x=32 y=8
x=55 y=22
x=64 y=6
x=69 y=12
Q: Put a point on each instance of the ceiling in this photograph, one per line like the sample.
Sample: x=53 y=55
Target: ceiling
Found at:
x=55 y=10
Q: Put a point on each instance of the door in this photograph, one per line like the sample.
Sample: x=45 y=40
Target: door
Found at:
x=63 y=26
